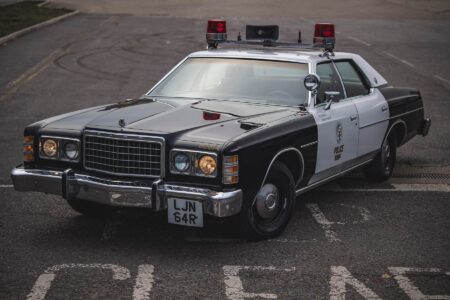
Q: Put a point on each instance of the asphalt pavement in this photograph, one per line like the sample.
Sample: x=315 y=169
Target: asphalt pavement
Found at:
x=349 y=240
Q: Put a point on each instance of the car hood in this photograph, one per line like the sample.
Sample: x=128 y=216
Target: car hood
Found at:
x=189 y=118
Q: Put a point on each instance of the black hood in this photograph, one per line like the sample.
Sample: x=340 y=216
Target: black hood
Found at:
x=170 y=116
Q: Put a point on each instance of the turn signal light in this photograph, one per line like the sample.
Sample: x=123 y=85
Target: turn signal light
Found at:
x=230 y=169
x=28 y=148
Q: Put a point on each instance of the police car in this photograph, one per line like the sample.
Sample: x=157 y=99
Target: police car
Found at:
x=235 y=132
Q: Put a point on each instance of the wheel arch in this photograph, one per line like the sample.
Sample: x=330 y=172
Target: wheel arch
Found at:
x=400 y=129
x=288 y=156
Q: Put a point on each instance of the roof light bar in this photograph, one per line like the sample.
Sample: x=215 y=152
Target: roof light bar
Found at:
x=216 y=32
x=267 y=35
x=324 y=36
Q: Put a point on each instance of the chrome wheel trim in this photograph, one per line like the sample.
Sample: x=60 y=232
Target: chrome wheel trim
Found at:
x=387 y=156
x=268 y=202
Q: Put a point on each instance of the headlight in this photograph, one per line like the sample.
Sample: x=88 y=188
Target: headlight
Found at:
x=71 y=150
x=181 y=162
x=50 y=148
x=207 y=164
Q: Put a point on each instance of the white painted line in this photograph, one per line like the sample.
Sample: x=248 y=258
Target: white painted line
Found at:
x=144 y=282
x=340 y=277
x=290 y=241
x=44 y=281
x=442 y=79
x=234 y=288
x=359 y=41
x=41 y=287
x=400 y=59
x=323 y=222
x=409 y=288
x=5 y=186
x=397 y=187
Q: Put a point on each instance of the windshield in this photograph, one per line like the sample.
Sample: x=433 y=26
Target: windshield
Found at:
x=263 y=81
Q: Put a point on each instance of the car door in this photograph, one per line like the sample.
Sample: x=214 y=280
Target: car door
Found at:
x=372 y=108
x=337 y=126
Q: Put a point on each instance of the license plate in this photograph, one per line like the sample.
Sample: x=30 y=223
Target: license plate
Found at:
x=185 y=212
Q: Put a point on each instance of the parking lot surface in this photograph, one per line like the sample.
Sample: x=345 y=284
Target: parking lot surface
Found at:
x=349 y=240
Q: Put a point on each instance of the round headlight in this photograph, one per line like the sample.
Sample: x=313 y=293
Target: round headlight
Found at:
x=207 y=164
x=181 y=162
x=50 y=148
x=71 y=150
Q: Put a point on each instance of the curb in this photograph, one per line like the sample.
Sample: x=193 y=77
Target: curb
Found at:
x=21 y=32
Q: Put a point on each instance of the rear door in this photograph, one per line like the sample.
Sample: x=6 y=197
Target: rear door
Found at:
x=337 y=126
x=371 y=106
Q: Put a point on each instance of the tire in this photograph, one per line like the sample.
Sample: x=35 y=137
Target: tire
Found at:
x=269 y=212
x=90 y=209
x=381 y=168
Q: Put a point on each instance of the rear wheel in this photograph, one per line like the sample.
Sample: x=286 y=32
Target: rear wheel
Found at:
x=269 y=213
x=90 y=209
x=381 y=168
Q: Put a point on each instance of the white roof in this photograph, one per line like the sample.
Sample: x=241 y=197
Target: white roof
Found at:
x=307 y=56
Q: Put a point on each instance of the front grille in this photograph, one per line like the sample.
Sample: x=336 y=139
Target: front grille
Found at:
x=124 y=154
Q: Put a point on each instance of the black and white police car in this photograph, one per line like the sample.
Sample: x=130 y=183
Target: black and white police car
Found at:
x=236 y=133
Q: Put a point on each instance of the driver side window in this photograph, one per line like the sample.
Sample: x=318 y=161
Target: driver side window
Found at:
x=330 y=82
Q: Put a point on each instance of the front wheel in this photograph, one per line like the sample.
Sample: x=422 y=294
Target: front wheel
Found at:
x=381 y=168
x=269 y=212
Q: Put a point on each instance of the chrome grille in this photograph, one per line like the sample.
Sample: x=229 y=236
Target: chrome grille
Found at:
x=124 y=154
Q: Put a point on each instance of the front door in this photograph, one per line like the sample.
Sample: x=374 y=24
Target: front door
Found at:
x=337 y=126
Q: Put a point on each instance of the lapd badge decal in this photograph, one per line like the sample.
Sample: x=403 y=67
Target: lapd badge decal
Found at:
x=340 y=148
x=339 y=132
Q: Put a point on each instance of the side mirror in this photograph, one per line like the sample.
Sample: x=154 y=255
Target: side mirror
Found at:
x=330 y=97
x=312 y=82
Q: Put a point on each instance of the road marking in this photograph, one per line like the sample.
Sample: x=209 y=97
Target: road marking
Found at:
x=442 y=79
x=340 y=277
x=320 y=218
x=44 y=281
x=396 y=187
x=13 y=86
x=6 y=186
x=359 y=41
x=234 y=289
x=144 y=282
x=409 y=288
x=400 y=59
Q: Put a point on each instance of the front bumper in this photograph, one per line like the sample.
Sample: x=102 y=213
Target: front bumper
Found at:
x=122 y=193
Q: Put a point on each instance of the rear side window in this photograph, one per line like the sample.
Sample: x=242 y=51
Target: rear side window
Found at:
x=329 y=82
x=353 y=81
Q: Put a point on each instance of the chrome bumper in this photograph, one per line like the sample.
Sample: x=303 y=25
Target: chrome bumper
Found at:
x=71 y=185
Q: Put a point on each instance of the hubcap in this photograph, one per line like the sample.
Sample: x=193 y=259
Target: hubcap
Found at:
x=387 y=156
x=267 y=201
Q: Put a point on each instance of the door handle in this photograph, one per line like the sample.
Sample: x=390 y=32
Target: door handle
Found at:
x=384 y=108
x=353 y=117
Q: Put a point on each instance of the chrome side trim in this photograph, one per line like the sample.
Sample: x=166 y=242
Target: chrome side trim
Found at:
x=406 y=113
x=302 y=161
x=307 y=145
x=325 y=180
